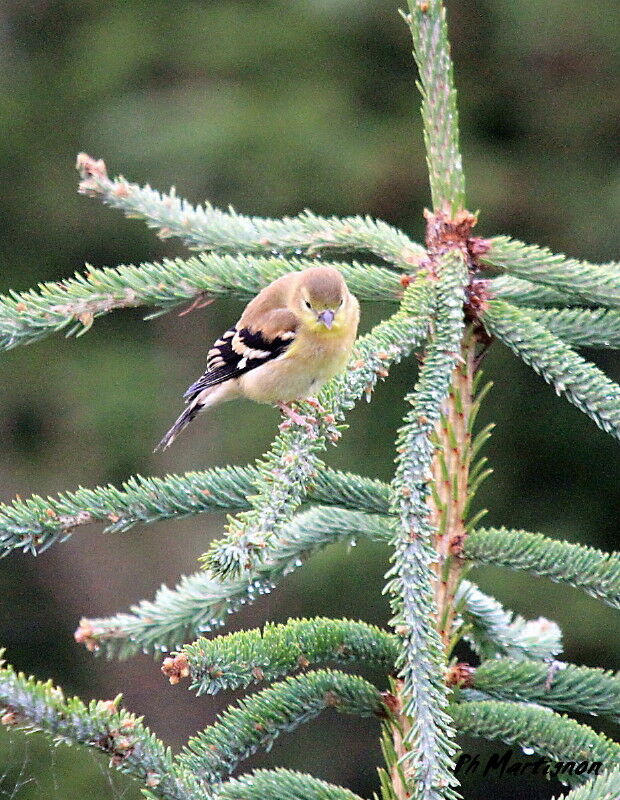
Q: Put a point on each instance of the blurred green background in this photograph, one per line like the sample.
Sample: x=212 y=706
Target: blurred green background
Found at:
x=274 y=107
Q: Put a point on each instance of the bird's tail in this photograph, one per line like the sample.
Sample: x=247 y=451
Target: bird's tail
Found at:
x=182 y=422
x=211 y=396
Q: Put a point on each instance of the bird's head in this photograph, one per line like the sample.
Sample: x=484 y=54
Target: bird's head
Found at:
x=321 y=298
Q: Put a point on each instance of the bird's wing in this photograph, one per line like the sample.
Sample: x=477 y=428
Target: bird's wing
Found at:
x=243 y=348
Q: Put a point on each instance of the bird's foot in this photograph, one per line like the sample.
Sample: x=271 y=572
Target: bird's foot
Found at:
x=326 y=419
x=294 y=417
x=312 y=401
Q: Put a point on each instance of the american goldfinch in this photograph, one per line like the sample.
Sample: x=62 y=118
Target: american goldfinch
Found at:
x=295 y=335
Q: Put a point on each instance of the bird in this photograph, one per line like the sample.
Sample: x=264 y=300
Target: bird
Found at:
x=296 y=334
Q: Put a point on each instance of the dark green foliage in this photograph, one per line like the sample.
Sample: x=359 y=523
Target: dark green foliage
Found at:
x=33 y=705
x=239 y=659
x=208 y=228
x=202 y=602
x=592 y=283
x=539 y=730
x=605 y=787
x=525 y=293
x=493 y=631
x=410 y=579
x=38 y=522
x=595 y=572
x=581 y=327
x=564 y=687
x=72 y=305
x=580 y=382
x=258 y=720
x=283 y=784
x=431 y=51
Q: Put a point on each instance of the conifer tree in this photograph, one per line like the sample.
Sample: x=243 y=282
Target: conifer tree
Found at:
x=453 y=297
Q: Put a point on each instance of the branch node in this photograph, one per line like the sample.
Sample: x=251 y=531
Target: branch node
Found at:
x=444 y=232
x=85 y=635
x=460 y=674
x=175 y=668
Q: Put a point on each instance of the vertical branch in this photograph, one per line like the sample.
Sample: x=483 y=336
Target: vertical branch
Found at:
x=422 y=732
x=450 y=469
x=431 y=483
x=447 y=510
x=431 y=50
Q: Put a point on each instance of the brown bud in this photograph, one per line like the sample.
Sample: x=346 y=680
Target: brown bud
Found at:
x=85 y=635
x=331 y=698
x=86 y=318
x=88 y=165
x=391 y=702
x=109 y=705
x=152 y=780
x=477 y=246
x=175 y=668
x=123 y=744
x=121 y=189
x=460 y=674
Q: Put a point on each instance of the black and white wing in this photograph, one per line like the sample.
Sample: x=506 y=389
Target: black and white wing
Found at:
x=238 y=351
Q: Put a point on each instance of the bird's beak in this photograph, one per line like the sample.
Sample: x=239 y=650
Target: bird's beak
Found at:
x=326 y=317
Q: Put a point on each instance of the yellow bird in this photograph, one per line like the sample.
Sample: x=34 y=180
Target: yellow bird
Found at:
x=295 y=335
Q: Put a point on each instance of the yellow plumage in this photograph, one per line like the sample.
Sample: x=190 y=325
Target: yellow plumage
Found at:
x=295 y=335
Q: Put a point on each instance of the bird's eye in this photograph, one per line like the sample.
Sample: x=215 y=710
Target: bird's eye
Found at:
x=308 y=304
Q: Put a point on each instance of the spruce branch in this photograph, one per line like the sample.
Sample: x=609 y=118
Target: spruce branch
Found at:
x=73 y=304
x=428 y=764
x=431 y=50
x=31 y=705
x=583 y=384
x=563 y=687
x=594 y=283
x=581 y=327
x=293 y=463
x=284 y=475
x=36 y=523
x=283 y=784
x=453 y=485
x=208 y=228
x=493 y=631
x=553 y=736
x=604 y=787
x=257 y=721
x=587 y=568
x=239 y=659
x=525 y=293
x=202 y=602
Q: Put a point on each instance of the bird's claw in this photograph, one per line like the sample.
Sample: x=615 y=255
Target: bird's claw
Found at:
x=324 y=420
x=304 y=420
x=314 y=403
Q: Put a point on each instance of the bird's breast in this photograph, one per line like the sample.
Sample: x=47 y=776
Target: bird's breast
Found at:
x=300 y=372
